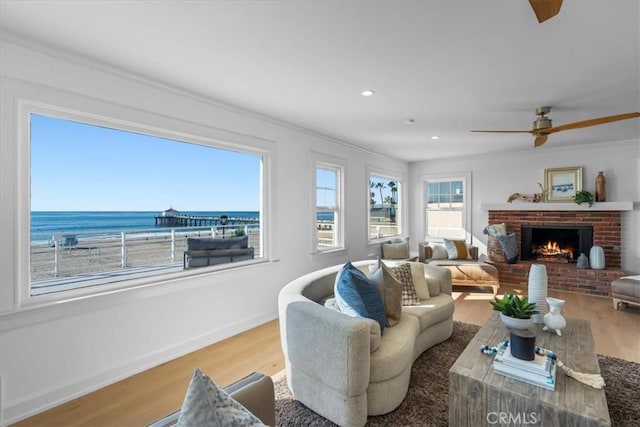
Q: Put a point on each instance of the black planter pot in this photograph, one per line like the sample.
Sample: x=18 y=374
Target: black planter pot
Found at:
x=522 y=343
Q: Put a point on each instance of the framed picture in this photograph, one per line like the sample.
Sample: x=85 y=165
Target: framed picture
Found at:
x=562 y=183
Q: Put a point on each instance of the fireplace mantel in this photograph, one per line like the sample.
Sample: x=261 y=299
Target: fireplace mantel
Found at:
x=599 y=206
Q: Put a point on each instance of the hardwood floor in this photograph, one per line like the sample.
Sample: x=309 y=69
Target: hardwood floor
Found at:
x=150 y=395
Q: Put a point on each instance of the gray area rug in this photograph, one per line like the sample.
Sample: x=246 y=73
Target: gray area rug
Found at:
x=427 y=402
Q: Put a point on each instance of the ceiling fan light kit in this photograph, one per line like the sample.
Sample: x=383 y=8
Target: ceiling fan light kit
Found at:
x=542 y=126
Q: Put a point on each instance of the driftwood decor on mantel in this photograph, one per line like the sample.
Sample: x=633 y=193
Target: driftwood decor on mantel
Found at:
x=536 y=198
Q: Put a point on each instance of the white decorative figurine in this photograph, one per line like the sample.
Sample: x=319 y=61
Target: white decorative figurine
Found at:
x=553 y=320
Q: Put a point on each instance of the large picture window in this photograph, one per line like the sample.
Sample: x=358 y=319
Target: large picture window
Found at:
x=109 y=205
x=446 y=207
x=385 y=206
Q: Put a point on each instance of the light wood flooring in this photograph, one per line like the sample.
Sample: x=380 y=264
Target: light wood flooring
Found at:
x=150 y=395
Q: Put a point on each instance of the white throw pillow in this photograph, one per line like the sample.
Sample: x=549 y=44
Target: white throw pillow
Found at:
x=438 y=252
x=420 y=281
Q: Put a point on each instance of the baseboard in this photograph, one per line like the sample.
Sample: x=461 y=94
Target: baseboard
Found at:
x=44 y=400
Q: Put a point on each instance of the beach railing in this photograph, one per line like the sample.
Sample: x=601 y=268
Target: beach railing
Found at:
x=103 y=251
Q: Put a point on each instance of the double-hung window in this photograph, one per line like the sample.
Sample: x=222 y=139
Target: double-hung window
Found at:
x=446 y=207
x=328 y=233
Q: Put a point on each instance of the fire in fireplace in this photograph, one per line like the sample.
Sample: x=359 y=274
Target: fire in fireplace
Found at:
x=552 y=251
x=555 y=243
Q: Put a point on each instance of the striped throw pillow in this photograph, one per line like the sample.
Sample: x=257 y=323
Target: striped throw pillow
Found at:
x=456 y=249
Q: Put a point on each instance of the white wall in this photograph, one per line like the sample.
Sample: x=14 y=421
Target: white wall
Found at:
x=51 y=353
x=495 y=177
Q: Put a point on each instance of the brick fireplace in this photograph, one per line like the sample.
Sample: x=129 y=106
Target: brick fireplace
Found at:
x=606 y=226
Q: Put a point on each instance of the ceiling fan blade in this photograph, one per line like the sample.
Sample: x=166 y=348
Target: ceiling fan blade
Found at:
x=545 y=9
x=591 y=122
x=540 y=140
x=504 y=131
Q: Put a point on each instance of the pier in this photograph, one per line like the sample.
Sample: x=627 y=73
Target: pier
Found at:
x=181 y=220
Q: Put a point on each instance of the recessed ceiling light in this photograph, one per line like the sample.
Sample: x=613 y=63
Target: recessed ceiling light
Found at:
x=435 y=137
x=367 y=92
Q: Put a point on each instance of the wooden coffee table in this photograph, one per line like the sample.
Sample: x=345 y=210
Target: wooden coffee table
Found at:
x=478 y=397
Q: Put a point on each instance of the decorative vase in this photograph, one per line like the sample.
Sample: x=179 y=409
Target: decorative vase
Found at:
x=538 y=290
x=596 y=257
x=513 y=323
x=554 y=320
x=583 y=261
x=522 y=344
x=601 y=187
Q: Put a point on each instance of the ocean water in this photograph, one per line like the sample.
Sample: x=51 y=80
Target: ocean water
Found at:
x=45 y=224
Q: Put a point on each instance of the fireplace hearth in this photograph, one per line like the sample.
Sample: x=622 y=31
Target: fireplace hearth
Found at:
x=559 y=244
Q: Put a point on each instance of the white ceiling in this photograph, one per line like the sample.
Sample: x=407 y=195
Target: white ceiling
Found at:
x=450 y=65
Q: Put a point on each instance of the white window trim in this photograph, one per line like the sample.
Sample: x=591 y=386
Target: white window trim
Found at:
x=319 y=160
x=465 y=177
x=206 y=136
x=402 y=219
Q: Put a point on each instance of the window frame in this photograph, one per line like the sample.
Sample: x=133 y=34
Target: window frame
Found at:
x=321 y=161
x=465 y=177
x=401 y=205
x=202 y=136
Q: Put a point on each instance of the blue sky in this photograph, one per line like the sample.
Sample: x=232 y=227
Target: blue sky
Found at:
x=79 y=167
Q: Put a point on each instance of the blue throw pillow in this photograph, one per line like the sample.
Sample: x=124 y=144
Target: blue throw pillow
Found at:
x=357 y=296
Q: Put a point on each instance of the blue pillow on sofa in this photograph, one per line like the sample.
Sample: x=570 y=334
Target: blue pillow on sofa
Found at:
x=357 y=296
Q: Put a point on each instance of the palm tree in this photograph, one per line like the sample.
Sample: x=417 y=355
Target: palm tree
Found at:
x=380 y=186
x=372 y=195
x=394 y=191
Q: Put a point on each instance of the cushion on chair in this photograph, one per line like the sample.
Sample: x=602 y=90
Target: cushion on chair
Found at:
x=456 y=249
x=438 y=251
x=395 y=250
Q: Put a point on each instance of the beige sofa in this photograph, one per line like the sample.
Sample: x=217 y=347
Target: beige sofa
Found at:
x=340 y=366
x=464 y=272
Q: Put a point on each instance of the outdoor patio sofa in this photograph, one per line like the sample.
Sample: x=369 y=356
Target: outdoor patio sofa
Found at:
x=205 y=251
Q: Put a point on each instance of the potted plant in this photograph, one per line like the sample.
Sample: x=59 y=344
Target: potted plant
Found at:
x=515 y=311
x=583 y=197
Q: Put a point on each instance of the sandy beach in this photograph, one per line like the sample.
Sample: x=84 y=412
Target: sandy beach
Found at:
x=106 y=254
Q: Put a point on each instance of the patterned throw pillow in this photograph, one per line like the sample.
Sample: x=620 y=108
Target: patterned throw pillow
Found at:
x=403 y=273
x=357 y=296
x=456 y=249
x=207 y=404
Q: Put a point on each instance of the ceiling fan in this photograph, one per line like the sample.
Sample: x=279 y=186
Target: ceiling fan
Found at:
x=545 y=9
x=542 y=126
